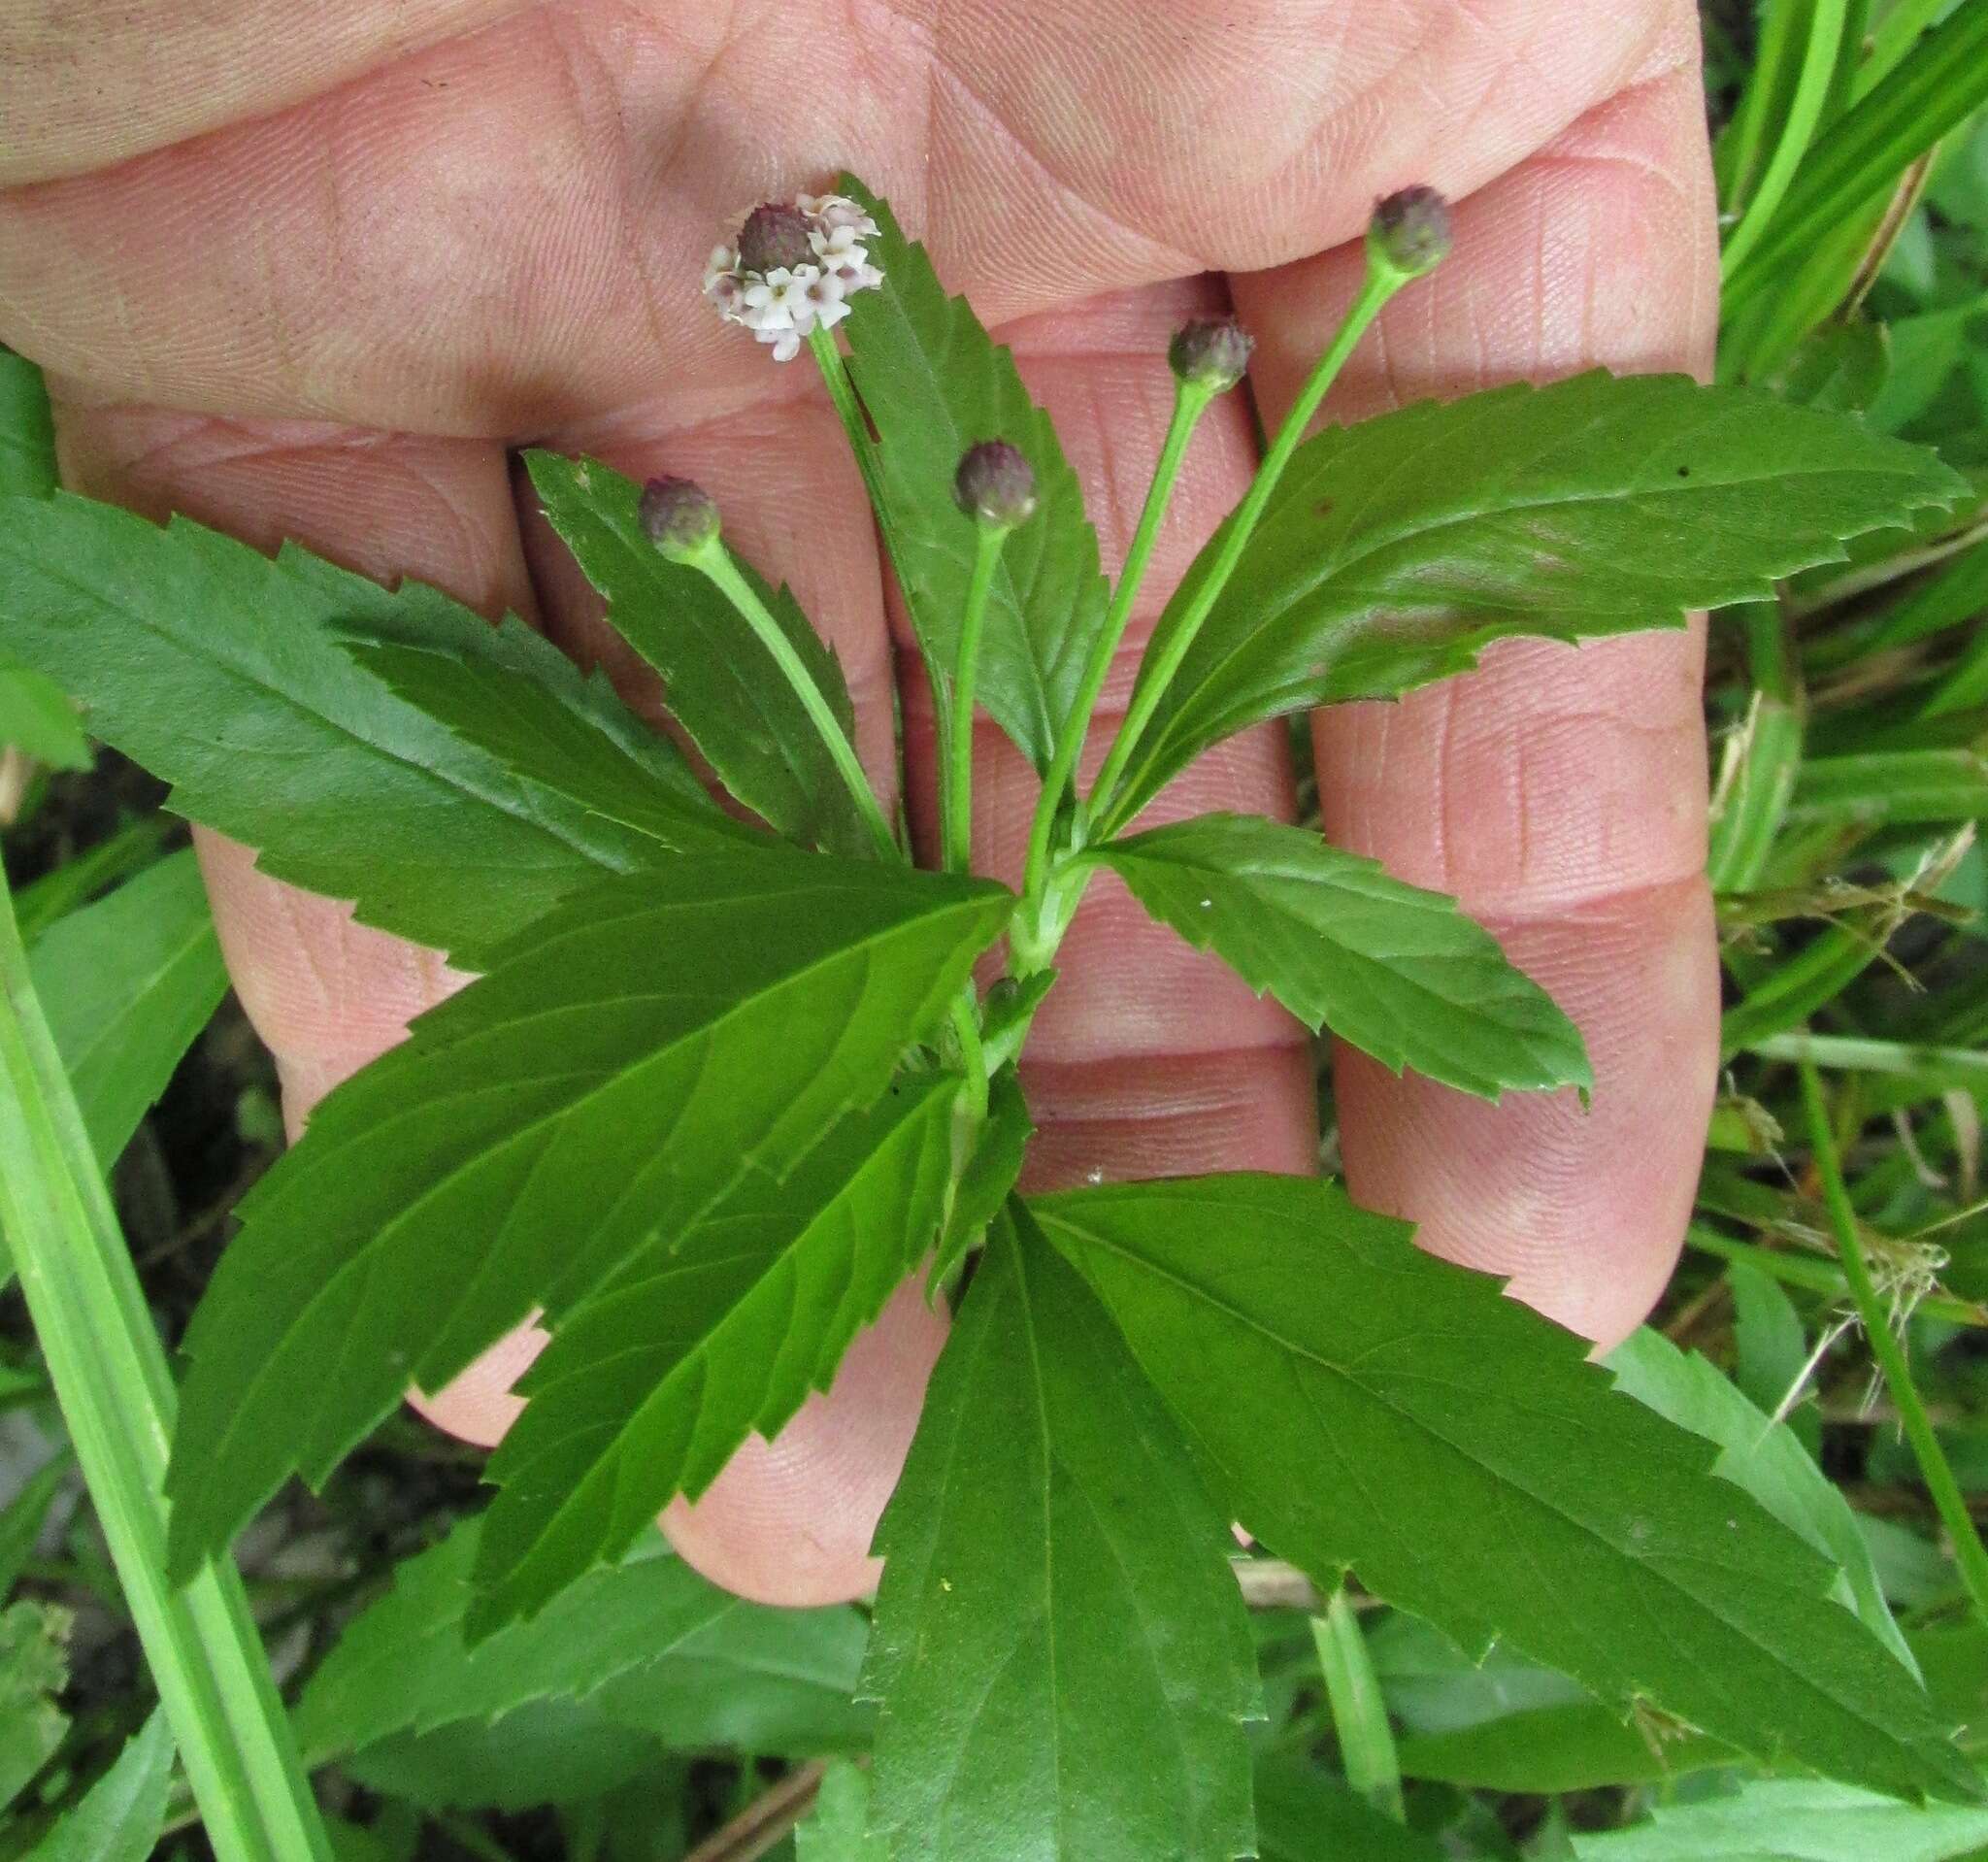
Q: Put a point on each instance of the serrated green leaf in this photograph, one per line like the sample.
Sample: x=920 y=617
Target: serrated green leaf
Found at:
x=34 y=1666
x=1399 y=972
x=838 y=1830
x=1357 y=1403
x=1764 y=1457
x=626 y=1060
x=1059 y=1646
x=218 y=669
x=934 y=384
x=713 y=1331
x=1396 y=550
x=127 y=984
x=514 y=694
x=27 y=430
x=120 y=1818
x=719 y=680
x=1793 y=1820
x=36 y=718
x=688 y=1653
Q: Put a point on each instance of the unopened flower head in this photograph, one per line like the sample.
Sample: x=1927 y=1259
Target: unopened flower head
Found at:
x=678 y=516
x=792 y=270
x=1212 y=352
x=995 y=484
x=1410 y=231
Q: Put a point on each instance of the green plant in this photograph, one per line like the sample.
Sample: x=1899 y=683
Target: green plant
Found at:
x=774 y=1124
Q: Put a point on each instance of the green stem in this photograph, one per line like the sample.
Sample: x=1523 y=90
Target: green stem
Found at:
x=1359 y=1713
x=1889 y=1350
x=1191 y=400
x=1967 y=1065
x=111 y=1377
x=1163 y=656
x=957 y=811
x=715 y=561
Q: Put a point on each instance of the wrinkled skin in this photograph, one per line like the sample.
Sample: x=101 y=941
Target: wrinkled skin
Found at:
x=307 y=272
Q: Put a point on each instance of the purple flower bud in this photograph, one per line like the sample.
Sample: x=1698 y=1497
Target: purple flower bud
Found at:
x=678 y=516
x=996 y=484
x=1410 y=231
x=775 y=235
x=1212 y=352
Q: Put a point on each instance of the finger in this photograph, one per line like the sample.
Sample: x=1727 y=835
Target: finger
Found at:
x=1561 y=793
x=504 y=232
x=91 y=84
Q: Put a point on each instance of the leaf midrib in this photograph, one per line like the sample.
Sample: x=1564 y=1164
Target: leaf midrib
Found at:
x=245 y=1406
x=1502 y=1482
x=698 y=1351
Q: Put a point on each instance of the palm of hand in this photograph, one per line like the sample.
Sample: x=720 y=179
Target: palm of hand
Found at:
x=329 y=316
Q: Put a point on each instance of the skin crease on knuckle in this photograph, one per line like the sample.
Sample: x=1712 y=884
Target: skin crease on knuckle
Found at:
x=362 y=283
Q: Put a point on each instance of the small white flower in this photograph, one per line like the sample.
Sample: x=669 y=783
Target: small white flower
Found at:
x=787 y=343
x=722 y=263
x=825 y=299
x=840 y=250
x=779 y=300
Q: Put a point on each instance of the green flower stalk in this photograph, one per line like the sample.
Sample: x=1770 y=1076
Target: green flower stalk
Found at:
x=682 y=522
x=996 y=487
x=1209 y=358
x=1408 y=236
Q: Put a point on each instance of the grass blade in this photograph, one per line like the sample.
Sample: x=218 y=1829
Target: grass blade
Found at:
x=111 y=1378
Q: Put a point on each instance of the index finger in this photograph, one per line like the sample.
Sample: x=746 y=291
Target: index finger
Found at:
x=1559 y=791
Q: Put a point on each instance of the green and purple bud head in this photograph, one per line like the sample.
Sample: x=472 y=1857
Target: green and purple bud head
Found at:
x=774 y=238
x=679 y=518
x=1410 y=231
x=996 y=486
x=1213 y=352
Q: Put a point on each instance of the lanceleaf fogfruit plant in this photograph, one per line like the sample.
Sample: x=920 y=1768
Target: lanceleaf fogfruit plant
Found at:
x=721 y=1085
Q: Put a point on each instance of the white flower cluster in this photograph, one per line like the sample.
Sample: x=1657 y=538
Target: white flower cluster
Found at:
x=783 y=303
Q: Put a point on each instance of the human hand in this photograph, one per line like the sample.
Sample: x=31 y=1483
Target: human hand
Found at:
x=296 y=278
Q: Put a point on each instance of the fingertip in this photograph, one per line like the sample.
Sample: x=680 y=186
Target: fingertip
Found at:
x=1584 y=1211
x=790 y=1521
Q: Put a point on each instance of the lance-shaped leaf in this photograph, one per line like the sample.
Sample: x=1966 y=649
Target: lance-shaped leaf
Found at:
x=648 y=1641
x=934 y=384
x=623 y=1064
x=1357 y=1403
x=1395 y=550
x=512 y=693
x=713 y=1331
x=218 y=669
x=1059 y=1644
x=1400 y=973
x=719 y=680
